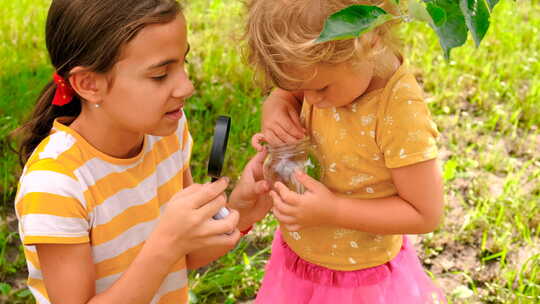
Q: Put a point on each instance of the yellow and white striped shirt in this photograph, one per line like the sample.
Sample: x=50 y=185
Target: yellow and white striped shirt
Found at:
x=71 y=193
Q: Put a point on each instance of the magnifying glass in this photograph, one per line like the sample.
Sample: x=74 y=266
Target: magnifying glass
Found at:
x=217 y=155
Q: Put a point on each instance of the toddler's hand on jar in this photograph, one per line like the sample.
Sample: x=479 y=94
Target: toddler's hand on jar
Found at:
x=297 y=211
x=250 y=196
x=257 y=141
x=280 y=119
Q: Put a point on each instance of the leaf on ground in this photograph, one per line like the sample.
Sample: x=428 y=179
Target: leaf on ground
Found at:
x=462 y=292
x=24 y=293
x=5 y=288
x=352 y=22
x=450 y=167
x=246 y=259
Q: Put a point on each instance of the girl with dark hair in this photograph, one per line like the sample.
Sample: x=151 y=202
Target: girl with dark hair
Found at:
x=107 y=209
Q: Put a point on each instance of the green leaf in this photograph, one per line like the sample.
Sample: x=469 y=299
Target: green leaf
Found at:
x=451 y=30
x=352 y=22
x=462 y=292
x=246 y=259
x=193 y=299
x=476 y=17
x=436 y=13
x=418 y=11
x=230 y=299
x=492 y=3
x=24 y=293
x=449 y=171
x=5 y=288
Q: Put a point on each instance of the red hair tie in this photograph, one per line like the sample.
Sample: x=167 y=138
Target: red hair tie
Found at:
x=64 y=93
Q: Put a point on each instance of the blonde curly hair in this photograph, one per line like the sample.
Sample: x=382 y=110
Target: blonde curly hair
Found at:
x=281 y=34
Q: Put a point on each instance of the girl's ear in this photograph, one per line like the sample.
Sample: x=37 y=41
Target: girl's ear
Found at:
x=88 y=85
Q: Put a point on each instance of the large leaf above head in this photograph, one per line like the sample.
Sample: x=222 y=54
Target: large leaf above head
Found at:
x=437 y=14
x=352 y=21
x=451 y=20
x=492 y=3
x=476 y=15
x=450 y=26
x=418 y=11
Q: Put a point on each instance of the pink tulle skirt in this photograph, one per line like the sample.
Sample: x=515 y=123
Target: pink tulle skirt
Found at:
x=292 y=280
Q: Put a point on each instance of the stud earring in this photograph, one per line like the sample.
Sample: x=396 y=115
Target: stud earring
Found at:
x=97 y=105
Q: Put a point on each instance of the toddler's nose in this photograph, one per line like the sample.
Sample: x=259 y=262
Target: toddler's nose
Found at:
x=312 y=97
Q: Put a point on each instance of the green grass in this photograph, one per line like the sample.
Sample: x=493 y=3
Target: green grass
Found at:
x=485 y=101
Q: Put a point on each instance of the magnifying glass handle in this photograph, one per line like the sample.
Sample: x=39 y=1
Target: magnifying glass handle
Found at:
x=223 y=212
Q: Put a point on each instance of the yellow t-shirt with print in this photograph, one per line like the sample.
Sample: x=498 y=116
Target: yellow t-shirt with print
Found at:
x=357 y=145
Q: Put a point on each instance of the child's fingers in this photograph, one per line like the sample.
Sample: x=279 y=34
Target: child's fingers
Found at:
x=286 y=195
x=296 y=125
x=261 y=187
x=229 y=223
x=281 y=206
x=234 y=216
x=211 y=208
x=283 y=133
x=265 y=204
x=282 y=218
x=256 y=163
x=272 y=139
x=253 y=170
x=256 y=141
x=189 y=190
x=290 y=128
x=311 y=184
x=209 y=192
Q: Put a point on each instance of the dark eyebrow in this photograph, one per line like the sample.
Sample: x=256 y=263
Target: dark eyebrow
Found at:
x=162 y=63
x=168 y=61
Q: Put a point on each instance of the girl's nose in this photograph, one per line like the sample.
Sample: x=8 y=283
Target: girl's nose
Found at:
x=184 y=89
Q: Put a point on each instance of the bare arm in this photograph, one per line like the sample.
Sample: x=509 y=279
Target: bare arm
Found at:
x=416 y=209
x=69 y=274
x=69 y=271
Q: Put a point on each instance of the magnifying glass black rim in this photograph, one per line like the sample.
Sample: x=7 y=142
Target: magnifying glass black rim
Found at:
x=219 y=146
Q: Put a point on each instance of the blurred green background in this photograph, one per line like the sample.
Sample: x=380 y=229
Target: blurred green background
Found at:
x=485 y=101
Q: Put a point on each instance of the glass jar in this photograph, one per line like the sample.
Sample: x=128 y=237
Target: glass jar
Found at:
x=282 y=161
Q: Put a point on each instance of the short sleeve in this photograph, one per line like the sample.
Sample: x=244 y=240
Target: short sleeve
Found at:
x=406 y=134
x=50 y=206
